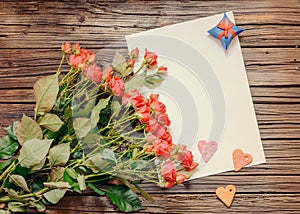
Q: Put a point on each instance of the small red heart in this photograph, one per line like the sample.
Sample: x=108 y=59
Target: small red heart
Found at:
x=240 y=159
x=207 y=149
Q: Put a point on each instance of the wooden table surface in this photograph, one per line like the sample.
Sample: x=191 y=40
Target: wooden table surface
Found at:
x=31 y=33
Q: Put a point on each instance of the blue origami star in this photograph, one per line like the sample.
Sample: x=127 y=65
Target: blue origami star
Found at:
x=225 y=31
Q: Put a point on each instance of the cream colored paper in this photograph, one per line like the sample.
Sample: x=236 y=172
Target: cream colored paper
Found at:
x=206 y=91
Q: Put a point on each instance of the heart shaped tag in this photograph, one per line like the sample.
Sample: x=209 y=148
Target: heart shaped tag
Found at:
x=207 y=149
x=240 y=159
x=226 y=195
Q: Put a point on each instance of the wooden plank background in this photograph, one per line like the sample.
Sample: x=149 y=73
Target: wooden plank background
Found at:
x=31 y=33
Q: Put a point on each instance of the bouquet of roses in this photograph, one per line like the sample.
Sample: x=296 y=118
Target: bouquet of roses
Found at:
x=92 y=128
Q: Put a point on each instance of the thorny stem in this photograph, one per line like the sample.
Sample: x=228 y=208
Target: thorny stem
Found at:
x=6 y=173
x=37 y=194
x=10 y=168
x=61 y=62
x=99 y=174
x=140 y=68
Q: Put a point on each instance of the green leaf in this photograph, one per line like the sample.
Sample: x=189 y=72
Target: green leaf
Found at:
x=124 y=198
x=38 y=205
x=81 y=182
x=37 y=185
x=96 y=189
x=54 y=196
x=96 y=111
x=5 y=212
x=59 y=155
x=72 y=173
x=58 y=185
x=16 y=206
x=40 y=165
x=33 y=152
x=4 y=164
x=109 y=155
x=21 y=170
x=45 y=91
x=28 y=129
x=96 y=163
x=67 y=113
x=82 y=126
x=101 y=160
x=116 y=107
x=72 y=181
x=86 y=111
x=90 y=141
x=136 y=82
x=119 y=62
x=153 y=81
x=11 y=130
x=8 y=147
x=19 y=181
x=51 y=122
x=56 y=173
x=12 y=193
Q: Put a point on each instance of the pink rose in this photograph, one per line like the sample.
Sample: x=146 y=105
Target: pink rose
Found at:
x=144 y=113
x=93 y=72
x=163 y=119
x=154 y=97
x=117 y=86
x=186 y=158
x=158 y=106
x=77 y=61
x=137 y=100
x=162 y=148
x=151 y=138
x=154 y=127
x=81 y=58
x=107 y=73
x=167 y=137
x=150 y=58
x=169 y=171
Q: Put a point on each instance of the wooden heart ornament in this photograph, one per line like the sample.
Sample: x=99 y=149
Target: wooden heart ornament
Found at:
x=226 y=195
x=207 y=149
x=240 y=159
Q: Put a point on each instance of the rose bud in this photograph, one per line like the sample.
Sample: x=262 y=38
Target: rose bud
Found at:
x=66 y=48
x=76 y=48
x=150 y=58
x=130 y=63
x=180 y=178
x=134 y=54
x=169 y=184
x=162 y=70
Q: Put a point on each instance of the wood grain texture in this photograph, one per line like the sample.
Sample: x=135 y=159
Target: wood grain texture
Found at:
x=31 y=33
x=186 y=203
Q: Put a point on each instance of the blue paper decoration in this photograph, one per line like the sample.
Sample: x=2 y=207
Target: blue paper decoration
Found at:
x=225 y=31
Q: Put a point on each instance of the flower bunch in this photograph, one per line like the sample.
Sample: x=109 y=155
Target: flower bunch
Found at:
x=92 y=129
